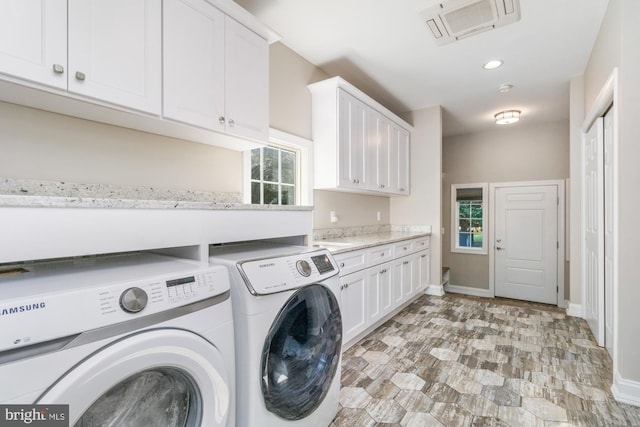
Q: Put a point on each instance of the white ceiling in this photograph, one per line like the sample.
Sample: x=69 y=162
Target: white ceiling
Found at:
x=387 y=51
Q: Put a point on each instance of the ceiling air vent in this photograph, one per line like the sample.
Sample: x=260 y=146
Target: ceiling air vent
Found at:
x=457 y=19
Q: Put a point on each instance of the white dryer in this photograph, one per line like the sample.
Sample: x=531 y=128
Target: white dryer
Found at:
x=288 y=330
x=127 y=340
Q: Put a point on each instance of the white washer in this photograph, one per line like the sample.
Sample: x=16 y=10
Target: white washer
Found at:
x=134 y=339
x=288 y=333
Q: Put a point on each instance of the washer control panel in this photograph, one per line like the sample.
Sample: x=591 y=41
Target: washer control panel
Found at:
x=65 y=298
x=267 y=276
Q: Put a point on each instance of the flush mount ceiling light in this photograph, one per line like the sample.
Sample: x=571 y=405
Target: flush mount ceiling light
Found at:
x=505 y=88
x=507 y=117
x=492 y=65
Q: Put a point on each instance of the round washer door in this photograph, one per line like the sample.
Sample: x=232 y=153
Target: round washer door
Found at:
x=160 y=377
x=301 y=353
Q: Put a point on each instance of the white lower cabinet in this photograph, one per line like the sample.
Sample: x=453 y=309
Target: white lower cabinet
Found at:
x=421 y=270
x=380 y=292
x=376 y=281
x=402 y=279
x=353 y=300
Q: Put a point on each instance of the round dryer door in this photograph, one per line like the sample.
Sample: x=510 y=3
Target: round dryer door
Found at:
x=301 y=353
x=160 y=377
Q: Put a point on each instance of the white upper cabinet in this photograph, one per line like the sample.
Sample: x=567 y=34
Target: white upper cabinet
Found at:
x=193 y=81
x=379 y=154
x=216 y=71
x=180 y=68
x=352 y=134
x=399 y=160
x=359 y=145
x=246 y=82
x=33 y=41
x=115 y=52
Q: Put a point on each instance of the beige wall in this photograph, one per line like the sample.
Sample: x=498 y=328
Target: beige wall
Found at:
x=423 y=205
x=40 y=145
x=351 y=209
x=510 y=154
x=290 y=100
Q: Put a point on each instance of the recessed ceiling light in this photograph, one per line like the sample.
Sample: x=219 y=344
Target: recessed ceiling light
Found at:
x=507 y=117
x=505 y=87
x=492 y=65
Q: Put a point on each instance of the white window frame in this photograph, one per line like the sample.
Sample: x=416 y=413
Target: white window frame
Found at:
x=454 y=219
x=304 y=166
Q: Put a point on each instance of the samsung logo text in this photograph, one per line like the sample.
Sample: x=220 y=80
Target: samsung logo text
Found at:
x=21 y=308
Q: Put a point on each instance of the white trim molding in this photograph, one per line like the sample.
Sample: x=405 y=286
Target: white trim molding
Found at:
x=467 y=290
x=625 y=391
x=574 y=309
x=434 y=290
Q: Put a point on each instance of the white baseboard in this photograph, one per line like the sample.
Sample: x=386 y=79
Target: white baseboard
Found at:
x=476 y=292
x=435 y=290
x=574 y=309
x=625 y=391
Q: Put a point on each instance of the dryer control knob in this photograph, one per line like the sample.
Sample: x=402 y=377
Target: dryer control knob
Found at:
x=303 y=268
x=133 y=300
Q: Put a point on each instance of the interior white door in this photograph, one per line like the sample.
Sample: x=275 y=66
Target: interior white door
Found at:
x=593 y=230
x=526 y=243
x=608 y=231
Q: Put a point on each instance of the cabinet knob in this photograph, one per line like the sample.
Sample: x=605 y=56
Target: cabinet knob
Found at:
x=232 y=123
x=342 y=265
x=406 y=262
x=402 y=189
x=58 y=69
x=423 y=256
x=221 y=120
x=80 y=75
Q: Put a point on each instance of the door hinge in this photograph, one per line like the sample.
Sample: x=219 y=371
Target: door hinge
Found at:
x=557 y=245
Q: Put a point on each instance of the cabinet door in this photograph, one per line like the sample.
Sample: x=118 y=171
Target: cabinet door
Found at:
x=352 y=143
x=246 y=82
x=379 y=150
x=115 y=52
x=402 y=276
x=421 y=271
x=379 y=292
x=399 y=160
x=353 y=300
x=408 y=279
x=193 y=63
x=33 y=40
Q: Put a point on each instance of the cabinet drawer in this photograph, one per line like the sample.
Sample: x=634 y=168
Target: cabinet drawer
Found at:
x=350 y=262
x=421 y=244
x=403 y=248
x=380 y=254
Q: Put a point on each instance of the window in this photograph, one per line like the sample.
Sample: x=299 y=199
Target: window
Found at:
x=279 y=173
x=469 y=218
x=273 y=176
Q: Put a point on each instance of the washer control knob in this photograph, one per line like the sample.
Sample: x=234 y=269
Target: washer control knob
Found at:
x=133 y=300
x=303 y=268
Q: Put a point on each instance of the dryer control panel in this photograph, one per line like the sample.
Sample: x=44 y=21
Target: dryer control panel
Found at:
x=60 y=299
x=271 y=275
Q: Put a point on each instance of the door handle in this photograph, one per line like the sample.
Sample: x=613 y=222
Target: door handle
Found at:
x=499 y=248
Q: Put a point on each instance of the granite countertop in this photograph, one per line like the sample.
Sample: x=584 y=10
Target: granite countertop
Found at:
x=59 y=194
x=363 y=241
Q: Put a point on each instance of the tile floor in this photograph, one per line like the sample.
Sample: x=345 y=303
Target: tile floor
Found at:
x=464 y=361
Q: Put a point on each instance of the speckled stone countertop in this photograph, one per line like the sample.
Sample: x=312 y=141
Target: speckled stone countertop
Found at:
x=55 y=194
x=348 y=239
